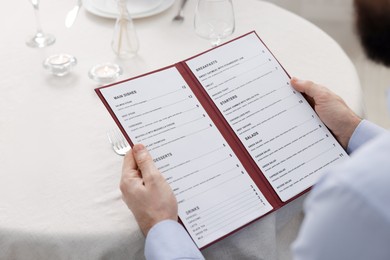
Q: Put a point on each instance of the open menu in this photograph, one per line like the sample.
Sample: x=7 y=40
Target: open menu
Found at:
x=228 y=132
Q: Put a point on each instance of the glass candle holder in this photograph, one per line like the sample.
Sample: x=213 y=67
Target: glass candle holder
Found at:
x=60 y=64
x=105 y=73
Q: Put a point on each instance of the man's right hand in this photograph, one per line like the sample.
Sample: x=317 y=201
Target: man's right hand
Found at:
x=145 y=190
x=332 y=109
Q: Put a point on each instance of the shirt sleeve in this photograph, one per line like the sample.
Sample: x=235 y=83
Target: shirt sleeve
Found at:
x=167 y=240
x=340 y=224
x=363 y=133
x=347 y=214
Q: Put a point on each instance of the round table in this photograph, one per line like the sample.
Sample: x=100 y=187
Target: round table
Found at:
x=59 y=195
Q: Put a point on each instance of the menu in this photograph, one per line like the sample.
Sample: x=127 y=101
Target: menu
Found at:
x=230 y=135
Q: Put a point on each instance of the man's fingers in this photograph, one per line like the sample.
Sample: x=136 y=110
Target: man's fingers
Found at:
x=308 y=87
x=129 y=167
x=145 y=162
x=131 y=177
x=131 y=186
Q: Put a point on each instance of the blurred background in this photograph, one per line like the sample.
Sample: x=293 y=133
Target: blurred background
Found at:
x=336 y=17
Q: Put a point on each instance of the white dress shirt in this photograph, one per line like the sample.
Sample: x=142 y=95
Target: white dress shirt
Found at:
x=347 y=214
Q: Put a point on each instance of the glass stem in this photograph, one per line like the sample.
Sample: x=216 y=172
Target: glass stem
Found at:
x=35 y=4
x=122 y=21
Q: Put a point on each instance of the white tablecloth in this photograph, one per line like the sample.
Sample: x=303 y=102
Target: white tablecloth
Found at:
x=59 y=196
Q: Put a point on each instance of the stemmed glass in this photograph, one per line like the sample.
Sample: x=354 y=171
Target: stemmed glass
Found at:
x=40 y=39
x=214 y=20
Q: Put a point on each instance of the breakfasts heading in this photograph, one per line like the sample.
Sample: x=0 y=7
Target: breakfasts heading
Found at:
x=207 y=65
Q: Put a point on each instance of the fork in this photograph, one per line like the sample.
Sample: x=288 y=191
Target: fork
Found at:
x=118 y=142
x=180 y=15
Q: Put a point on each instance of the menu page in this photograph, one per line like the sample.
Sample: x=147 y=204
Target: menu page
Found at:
x=279 y=129
x=214 y=192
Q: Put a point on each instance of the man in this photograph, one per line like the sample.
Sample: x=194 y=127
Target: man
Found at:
x=347 y=215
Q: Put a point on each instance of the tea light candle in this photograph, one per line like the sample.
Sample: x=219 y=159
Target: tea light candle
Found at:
x=60 y=64
x=105 y=73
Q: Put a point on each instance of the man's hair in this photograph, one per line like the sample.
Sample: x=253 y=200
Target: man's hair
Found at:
x=373 y=28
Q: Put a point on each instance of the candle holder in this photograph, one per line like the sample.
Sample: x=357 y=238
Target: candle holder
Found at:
x=105 y=73
x=60 y=64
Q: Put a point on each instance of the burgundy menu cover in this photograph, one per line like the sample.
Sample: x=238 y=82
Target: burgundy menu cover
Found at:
x=232 y=138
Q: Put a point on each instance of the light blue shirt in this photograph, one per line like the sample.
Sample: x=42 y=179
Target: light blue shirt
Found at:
x=347 y=214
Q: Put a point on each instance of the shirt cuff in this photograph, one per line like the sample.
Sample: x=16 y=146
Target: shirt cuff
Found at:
x=169 y=240
x=363 y=133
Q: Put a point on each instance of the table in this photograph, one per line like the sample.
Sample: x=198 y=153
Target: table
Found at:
x=59 y=195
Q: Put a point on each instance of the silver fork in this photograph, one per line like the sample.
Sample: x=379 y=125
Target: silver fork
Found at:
x=180 y=15
x=118 y=142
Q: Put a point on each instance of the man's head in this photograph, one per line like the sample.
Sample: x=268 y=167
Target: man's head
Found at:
x=373 y=27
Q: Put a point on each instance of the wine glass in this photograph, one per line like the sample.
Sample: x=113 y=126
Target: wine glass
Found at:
x=39 y=39
x=214 y=20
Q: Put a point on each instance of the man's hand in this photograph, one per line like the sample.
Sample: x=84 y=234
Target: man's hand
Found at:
x=145 y=190
x=332 y=110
